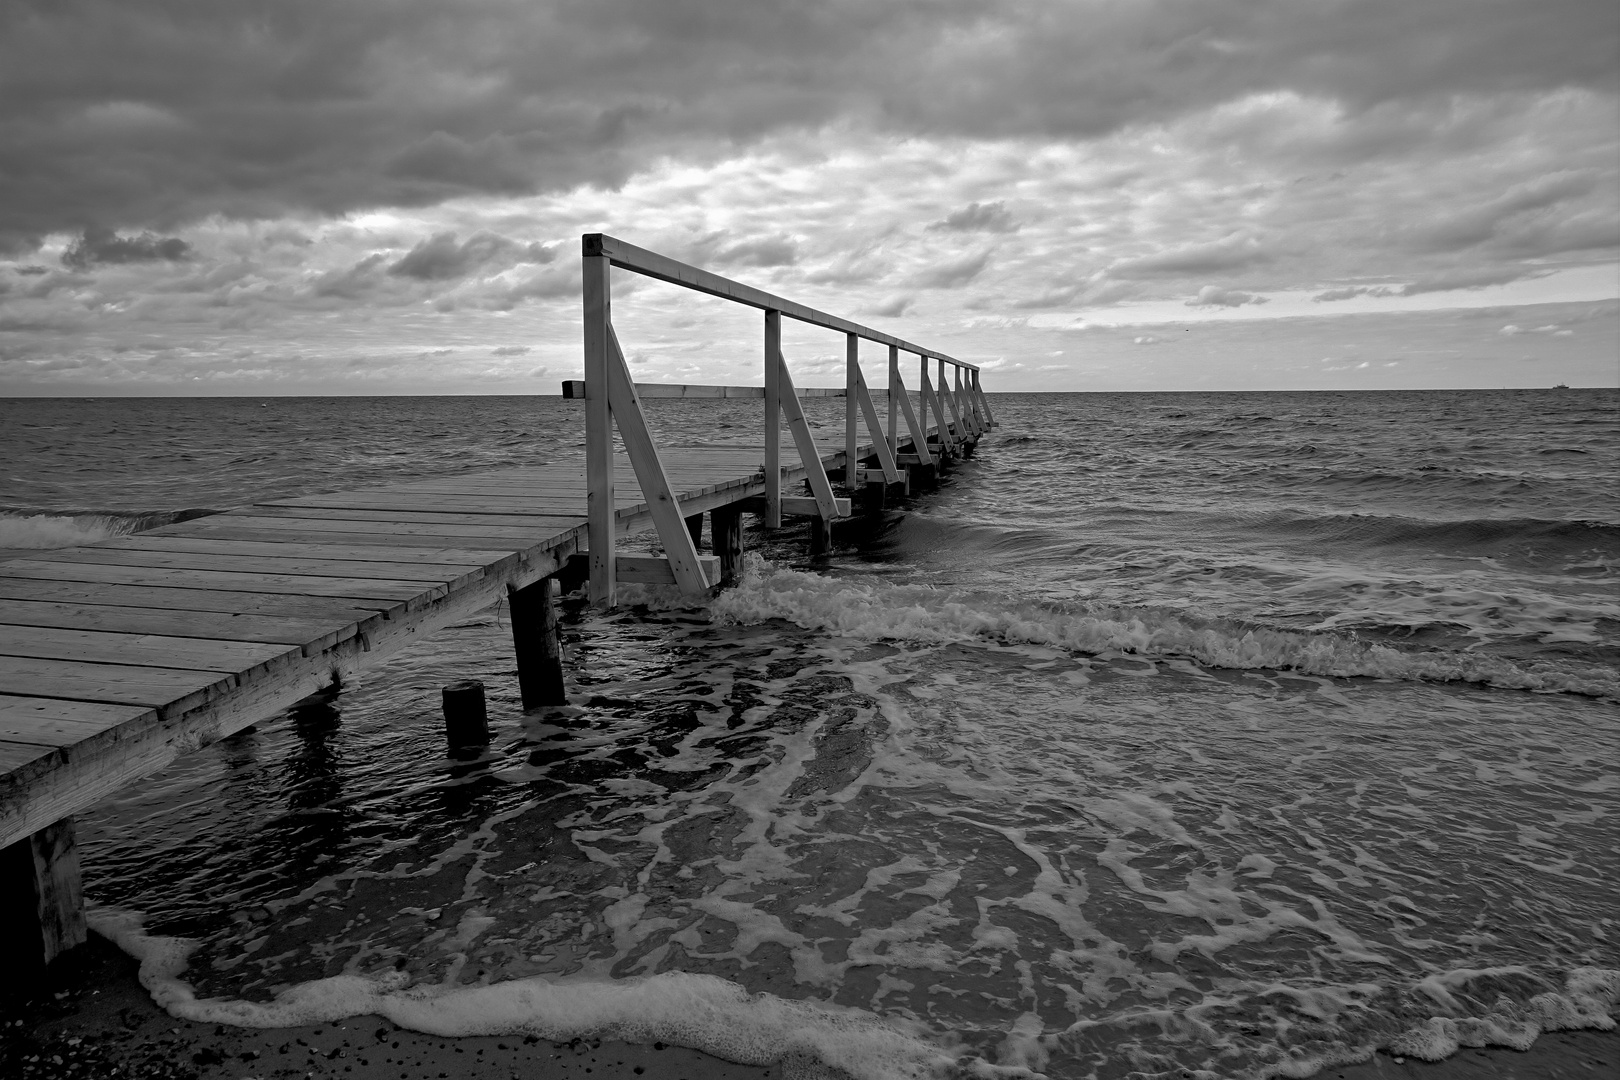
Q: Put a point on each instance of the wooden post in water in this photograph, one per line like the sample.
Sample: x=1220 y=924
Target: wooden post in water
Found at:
x=466 y=723
x=537 y=642
x=726 y=538
x=773 y=419
x=41 y=898
x=820 y=535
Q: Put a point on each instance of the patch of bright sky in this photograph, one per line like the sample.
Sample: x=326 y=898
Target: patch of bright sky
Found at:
x=1583 y=284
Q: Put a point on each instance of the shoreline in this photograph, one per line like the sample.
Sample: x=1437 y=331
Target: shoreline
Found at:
x=89 y=1016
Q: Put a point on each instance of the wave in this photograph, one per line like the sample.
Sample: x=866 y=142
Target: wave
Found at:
x=879 y=611
x=23 y=530
x=702 y=1012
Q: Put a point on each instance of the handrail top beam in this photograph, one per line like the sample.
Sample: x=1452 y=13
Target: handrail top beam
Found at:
x=628 y=256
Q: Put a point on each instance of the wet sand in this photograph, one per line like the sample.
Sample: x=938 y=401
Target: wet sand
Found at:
x=90 y=1017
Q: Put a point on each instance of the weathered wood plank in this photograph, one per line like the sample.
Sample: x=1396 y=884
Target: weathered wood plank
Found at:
x=294 y=584
x=54 y=722
x=438 y=535
x=530 y=524
x=214 y=625
x=118 y=684
x=188 y=560
x=308 y=550
x=146 y=650
x=143 y=596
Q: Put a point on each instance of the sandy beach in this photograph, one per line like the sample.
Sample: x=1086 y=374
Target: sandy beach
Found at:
x=90 y=1017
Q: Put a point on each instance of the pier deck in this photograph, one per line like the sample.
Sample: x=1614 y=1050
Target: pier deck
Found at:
x=118 y=657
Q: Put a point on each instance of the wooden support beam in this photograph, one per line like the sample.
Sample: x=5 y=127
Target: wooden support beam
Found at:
x=41 y=898
x=597 y=271
x=795 y=506
x=773 y=420
x=726 y=538
x=852 y=375
x=895 y=392
x=656 y=569
x=537 y=642
x=655 y=485
x=880 y=443
x=809 y=455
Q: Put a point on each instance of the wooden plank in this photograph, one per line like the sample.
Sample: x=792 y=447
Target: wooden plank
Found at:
x=334 y=552
x=542 y=505
x=383 y=520
x=53 y=722
x=143 y=596
x=522 y=542
x=144 y=650
x=190 y=560
x=215 y=625
x=597 y=288
x=643 y=454
x=441 y=535
x=121 y=684
x=225 y=581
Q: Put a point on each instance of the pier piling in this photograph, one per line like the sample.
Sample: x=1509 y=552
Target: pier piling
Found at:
x=43 y=901
x=466 y=722
x=537 y=643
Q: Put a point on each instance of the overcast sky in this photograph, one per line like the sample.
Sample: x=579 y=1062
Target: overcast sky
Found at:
x=386 y=196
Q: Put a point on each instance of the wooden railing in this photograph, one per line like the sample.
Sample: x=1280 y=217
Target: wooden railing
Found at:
x=611 y=397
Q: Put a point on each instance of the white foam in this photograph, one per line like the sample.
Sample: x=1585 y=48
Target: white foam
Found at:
x=41 y=531
x=1587 y=1000
x=875 y=611
x=697 y=1011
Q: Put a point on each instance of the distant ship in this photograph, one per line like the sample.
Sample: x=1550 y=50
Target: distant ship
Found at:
x=1562 y=386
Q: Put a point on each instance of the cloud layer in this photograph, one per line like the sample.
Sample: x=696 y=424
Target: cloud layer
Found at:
x=231 y=190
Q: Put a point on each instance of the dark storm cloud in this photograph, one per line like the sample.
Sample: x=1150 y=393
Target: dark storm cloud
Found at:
x=441 y=258
x=978 y=217
x=101 y=245
x=153 y=113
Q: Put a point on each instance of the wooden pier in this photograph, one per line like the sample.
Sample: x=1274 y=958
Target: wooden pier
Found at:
x=117 y=657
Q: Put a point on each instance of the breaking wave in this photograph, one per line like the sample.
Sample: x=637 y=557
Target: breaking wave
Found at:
x=919 y=613
x=21 y=530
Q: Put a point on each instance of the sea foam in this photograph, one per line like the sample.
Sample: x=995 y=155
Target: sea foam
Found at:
x=701 y=1012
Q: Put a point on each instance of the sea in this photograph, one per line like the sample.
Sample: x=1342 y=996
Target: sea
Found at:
x=1171 y=735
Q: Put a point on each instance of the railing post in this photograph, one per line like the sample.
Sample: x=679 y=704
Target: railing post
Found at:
x=989 y=417
x=773 y=419
x=894 y=381
x=597 y=271
x=922 y=392
x=852 y=368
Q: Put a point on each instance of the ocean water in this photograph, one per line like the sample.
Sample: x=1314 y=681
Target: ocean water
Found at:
x=1173 y=735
